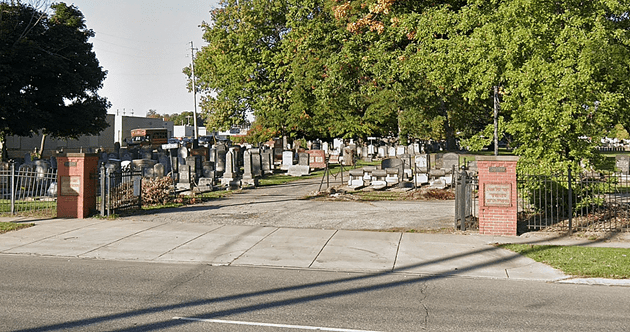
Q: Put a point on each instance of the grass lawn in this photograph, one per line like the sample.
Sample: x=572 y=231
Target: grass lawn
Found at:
x=11 y=226
x=579 y=261
x=277 y=179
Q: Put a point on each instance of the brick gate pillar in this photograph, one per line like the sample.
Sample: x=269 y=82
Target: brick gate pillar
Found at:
x=76 y=193
x=497 y=195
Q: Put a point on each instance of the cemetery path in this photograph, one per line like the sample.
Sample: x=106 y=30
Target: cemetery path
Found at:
x=284 y=206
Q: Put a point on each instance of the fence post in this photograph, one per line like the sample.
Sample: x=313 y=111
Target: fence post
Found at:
x=462 y=201
x=12 y=188
x=108 y=190
x=570 y=202
x=103 y=193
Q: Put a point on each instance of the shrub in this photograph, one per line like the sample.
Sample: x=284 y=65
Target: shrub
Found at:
x=157 y=191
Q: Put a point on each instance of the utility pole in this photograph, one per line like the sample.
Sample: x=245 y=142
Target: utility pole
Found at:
x=496 y=120
x=194 y=86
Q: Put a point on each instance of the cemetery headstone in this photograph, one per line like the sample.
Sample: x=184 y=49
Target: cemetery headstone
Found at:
x=623 y=163
x=395 y=163
x=439 y=162
x=382 y=152
x=158 y=170
x=391 y=152
x=257 y=170
x=422 y=163
x=287 y=160
x=325 y=147
x=378 y=179
x=298 y=170
x=267 y=161
x=317 y=159
x=303 y=159
x=230 y=176
x=400 y=150
x=348 y=156
x=208 y=170
x=205 y=184
x=248 y=179
x=450 y=160
x=356 y=178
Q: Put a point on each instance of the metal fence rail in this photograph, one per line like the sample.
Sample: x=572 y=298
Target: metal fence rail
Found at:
x=562 y=202
x=29 y=190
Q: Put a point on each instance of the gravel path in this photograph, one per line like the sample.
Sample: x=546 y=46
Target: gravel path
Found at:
x=282 y=206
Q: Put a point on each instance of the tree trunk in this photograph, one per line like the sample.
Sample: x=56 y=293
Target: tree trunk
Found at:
x=448 y=129
x=41 y=147
x=4 y=156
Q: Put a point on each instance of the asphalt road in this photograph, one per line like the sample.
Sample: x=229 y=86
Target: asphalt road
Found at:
x=53 y=294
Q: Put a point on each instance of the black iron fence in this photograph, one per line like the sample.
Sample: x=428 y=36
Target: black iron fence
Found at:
x=119 y=190
x=566 y=202
x=28 y=190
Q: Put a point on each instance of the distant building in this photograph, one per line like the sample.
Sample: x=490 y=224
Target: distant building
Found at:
x=17 y=146
x=119 y=130
x=124 y=125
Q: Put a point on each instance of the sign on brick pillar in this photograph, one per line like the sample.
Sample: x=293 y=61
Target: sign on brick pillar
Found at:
x=77 y=184
x=497 y=195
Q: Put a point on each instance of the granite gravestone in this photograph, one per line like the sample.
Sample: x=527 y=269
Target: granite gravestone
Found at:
x=450 y=160
x=623 y=163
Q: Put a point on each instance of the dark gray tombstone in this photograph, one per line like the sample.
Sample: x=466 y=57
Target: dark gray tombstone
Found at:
x=53 y=162
x=256 y=163
x=267 y=161
x=623 y=163
x=166 y=162
x=117 y=148
x=393 y=163
x=126 y=156
x=303 y=159
x=146 y=154
x=450 y=160
x=158 y=170
x=184 y=175
x=208 y=169
x=408 y=165
x=220 y=158
x=439 y=161
x=248 y=179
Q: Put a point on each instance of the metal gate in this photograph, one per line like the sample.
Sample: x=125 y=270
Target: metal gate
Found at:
x=466 y=195
x=119 y=190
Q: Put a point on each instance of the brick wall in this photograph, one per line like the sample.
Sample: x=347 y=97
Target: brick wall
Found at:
x=497 y=195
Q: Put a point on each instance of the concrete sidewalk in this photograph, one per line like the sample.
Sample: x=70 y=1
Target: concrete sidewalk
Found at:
x=243 y=245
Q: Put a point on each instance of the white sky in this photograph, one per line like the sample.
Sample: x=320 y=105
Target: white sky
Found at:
x=144 y=45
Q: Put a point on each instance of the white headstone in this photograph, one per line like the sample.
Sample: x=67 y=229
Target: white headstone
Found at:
x=287 y=160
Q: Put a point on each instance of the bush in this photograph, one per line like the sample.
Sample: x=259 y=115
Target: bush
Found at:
x=157 y=191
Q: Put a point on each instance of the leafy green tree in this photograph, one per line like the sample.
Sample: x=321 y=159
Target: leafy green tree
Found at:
x=565 y=73
x=49 y=75
x=236 y=71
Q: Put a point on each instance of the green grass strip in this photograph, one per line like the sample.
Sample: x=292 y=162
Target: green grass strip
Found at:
x=11 y=226
x=591 y=262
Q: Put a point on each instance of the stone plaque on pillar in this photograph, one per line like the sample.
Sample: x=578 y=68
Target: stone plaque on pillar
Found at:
x=497 y=195
x=77 y=188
